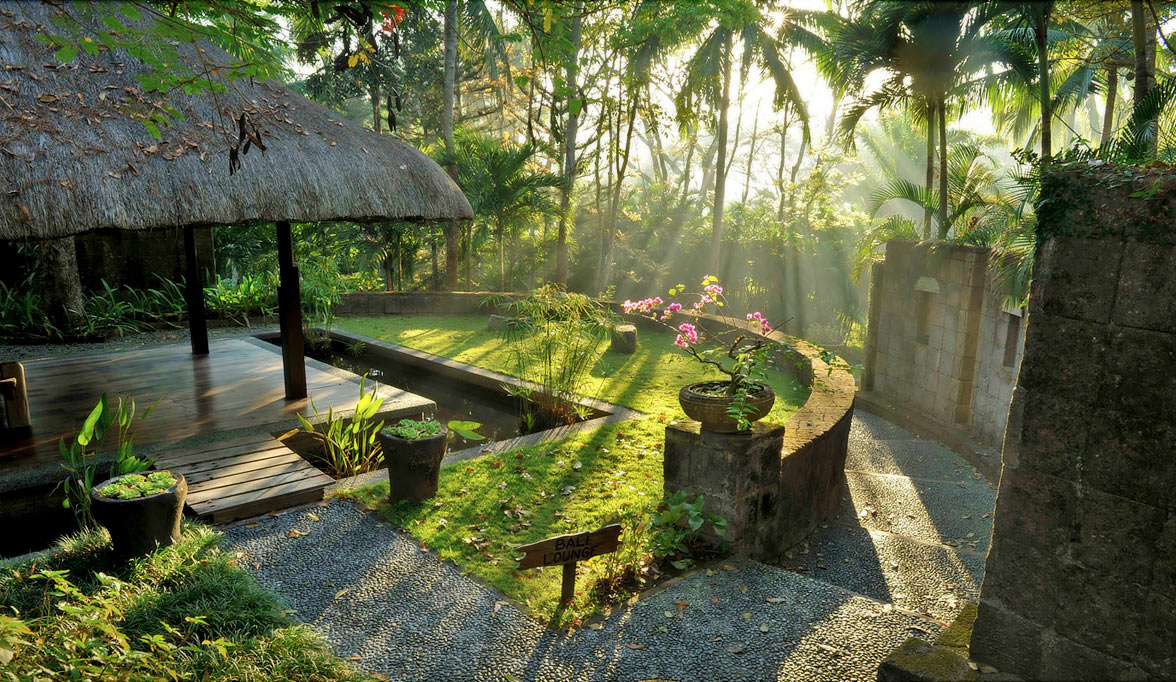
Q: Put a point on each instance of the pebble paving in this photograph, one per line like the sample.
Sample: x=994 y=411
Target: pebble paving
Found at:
x=848 y=596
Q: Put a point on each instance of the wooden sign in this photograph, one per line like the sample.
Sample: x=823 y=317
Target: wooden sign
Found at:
x=566 y=550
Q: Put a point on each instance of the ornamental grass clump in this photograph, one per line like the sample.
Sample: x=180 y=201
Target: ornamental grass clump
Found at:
x=731 y=352
x=134 y=486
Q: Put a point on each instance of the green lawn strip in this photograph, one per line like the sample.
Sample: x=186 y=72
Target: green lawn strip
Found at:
x=485 y=507
x=169 y=606
x=647 y=380
x=475 y=519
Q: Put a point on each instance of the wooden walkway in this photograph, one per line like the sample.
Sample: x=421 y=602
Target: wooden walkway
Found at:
x=242 y=477
x=235 y=390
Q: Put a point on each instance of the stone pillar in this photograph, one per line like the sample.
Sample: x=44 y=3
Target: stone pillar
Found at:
x=737 y=473
x=1080 y=581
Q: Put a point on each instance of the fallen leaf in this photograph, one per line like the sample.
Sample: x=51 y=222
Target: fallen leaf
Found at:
x=832 y=650
x=342 y=592
x=252 y=525
x=634 y=646
x=596 y=626
x=728 y=567
x=715 y=600
x=681 y=605
x=747 y=615
x=775 y=600
x=312 y=516
x=498 y=605
x=354 y=658
x=736 y=649
x=765 y=628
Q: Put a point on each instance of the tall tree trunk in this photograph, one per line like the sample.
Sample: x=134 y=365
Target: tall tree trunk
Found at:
x=1143 y=35
x=374 y=94
x=784 y=124
x=469 y=256
x=716 y=260
x=62 y=291
x=569 y=160
x=750 y=158
x=501 y=257
x=389 y=272
x=622 y=161
x=1108 y=122
x=941 y=110
x=436 y=280
x=452 y=229
x=708 y=173
x=1040 y=30
x=932 y=121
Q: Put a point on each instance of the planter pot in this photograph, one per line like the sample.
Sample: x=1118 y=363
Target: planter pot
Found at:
x=413 y=465
x=142 y=525
x=711 y=410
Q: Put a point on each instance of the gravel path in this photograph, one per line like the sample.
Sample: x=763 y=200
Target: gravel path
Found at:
x=897 y=562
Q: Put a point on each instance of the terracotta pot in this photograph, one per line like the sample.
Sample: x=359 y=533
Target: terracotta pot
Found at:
x=413 y=465
x=711 y=411
x=144 y=524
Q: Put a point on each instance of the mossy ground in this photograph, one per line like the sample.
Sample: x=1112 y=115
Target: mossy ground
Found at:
x=487 y=506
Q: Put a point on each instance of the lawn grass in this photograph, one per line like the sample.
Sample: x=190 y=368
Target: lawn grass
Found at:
x=174 y=609
x=647 y=380
x=486 y=507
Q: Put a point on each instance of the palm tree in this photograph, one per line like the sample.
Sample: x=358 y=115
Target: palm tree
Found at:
x=708 y=81
x=928 y=48
x=503 y=185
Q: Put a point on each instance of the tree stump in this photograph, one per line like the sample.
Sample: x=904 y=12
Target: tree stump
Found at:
x=498 y=323
x=624 y=338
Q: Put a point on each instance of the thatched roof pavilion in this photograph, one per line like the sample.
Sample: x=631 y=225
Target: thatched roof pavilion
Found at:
x=75 y=156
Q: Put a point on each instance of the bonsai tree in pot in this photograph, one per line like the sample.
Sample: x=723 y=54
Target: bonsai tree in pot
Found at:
x=732 y=404
x=141 y=512
x=414 y=449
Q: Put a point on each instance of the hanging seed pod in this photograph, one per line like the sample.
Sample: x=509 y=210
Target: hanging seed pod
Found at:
x=245 y=149
x=388 y=106
x=396 y=44
x=398 y=107
x=241 y=129
x=392 y=120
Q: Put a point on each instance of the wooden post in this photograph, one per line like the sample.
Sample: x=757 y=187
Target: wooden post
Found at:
x=194 y=293
x=290 y=316
x=16 y=397
x=568 y=591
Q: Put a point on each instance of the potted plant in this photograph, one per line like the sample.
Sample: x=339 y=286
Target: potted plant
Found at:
x=413 y=450
x=732 y=404
x=141 y=511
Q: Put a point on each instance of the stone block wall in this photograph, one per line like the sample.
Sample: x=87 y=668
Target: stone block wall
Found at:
x=415 y=303
x=937 y=337
x=1080 y=581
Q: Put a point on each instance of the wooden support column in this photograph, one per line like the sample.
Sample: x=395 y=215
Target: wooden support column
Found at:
x=290 y=316
x=194 y=293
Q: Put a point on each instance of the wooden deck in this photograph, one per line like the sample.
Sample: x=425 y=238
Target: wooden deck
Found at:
x=233 y=392
x=242 y=477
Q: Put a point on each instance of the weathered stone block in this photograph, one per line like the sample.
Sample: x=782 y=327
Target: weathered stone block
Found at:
x=1116 y=536
x=624 y=338
x=1035 y=509
x=1065 y=659
x=1083 y=276
x=1065 y=357
x=918 y=660
x=497 y=323
x=1057 y=439
x=1132 y=455
x=1139 y=374
x=733 y=471
x=1147 y=291
x=1005 y=640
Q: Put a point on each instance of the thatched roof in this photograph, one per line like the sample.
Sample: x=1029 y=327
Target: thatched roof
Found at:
x=73 y=158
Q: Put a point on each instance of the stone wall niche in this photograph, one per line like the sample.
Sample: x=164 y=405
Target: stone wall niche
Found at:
x=1080 y=581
